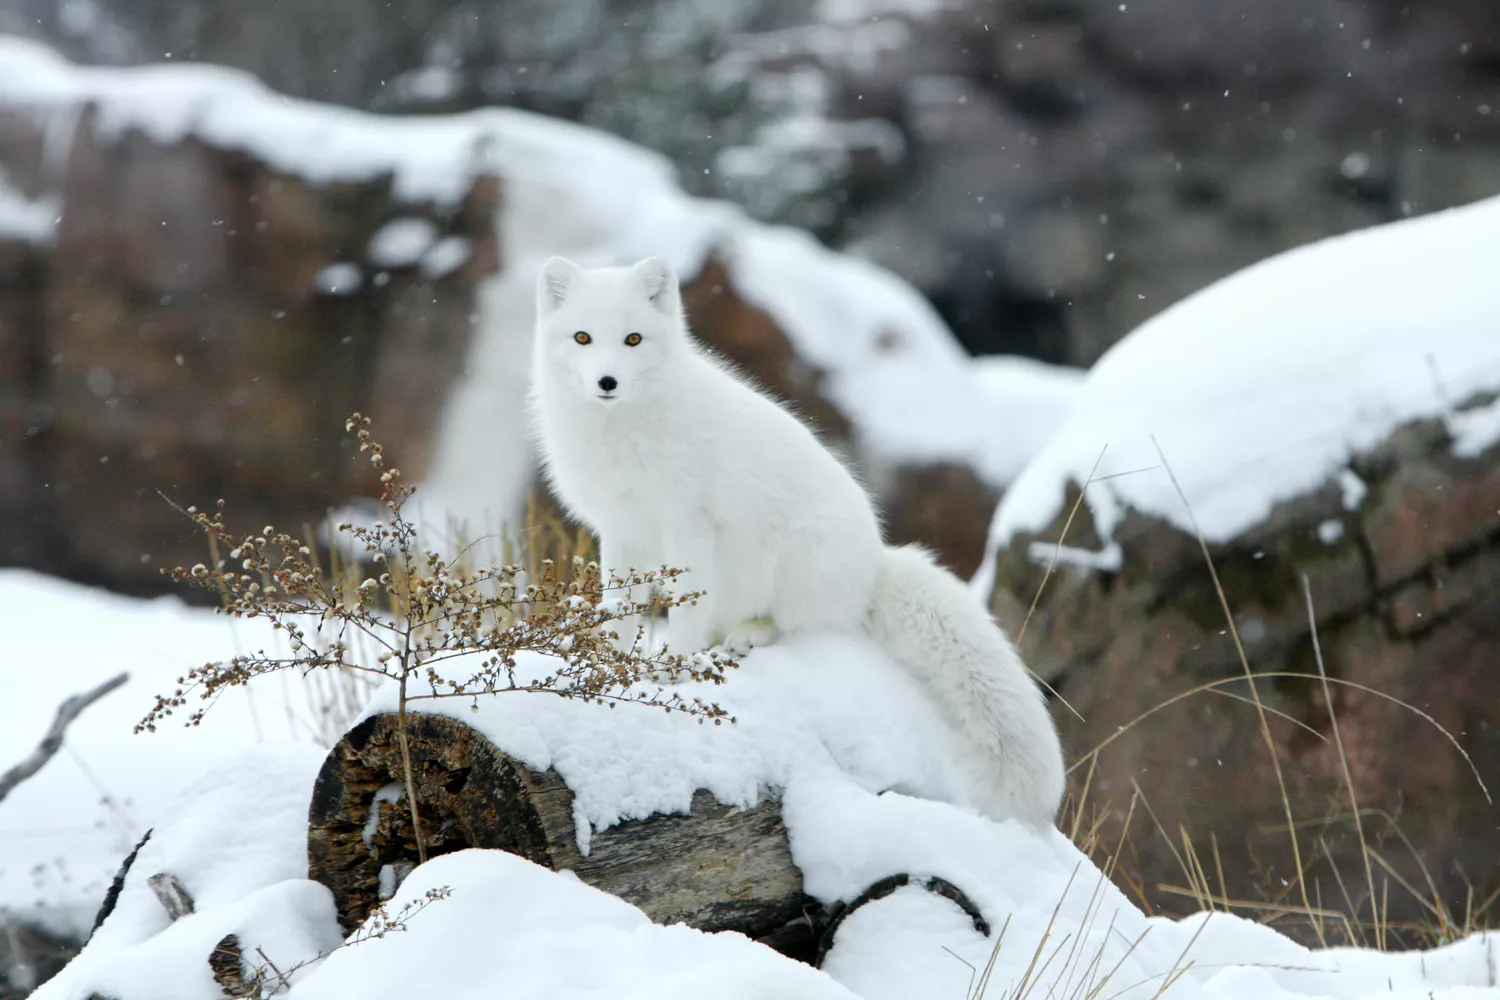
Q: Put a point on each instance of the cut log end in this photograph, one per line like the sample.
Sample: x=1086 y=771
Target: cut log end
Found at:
x=717 y=867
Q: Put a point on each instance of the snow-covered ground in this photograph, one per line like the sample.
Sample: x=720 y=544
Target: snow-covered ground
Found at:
x=1262 y=386
x=64 y=832
x=859 y=755
x=585 y=194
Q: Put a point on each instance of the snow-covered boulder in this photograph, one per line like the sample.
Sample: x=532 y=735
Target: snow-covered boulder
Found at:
x=1333 y=412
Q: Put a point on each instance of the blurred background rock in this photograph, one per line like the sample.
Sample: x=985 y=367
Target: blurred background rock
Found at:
x=1048 y=172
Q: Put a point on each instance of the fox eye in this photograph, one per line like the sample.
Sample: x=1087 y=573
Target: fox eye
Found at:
x=582 y=337
x=632 y=340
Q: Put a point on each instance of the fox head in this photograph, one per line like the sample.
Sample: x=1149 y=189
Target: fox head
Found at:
x=604 y=333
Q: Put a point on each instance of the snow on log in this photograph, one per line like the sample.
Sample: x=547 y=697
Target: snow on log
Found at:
x=715 y=868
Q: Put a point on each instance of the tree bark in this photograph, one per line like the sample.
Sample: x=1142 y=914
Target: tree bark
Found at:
x=715 y=868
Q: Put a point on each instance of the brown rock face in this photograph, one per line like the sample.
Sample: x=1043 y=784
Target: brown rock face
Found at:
x=185 y=334
x=1408 y=610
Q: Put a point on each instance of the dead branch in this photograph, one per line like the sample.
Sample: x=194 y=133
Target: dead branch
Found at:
x=52 y=742
x=172 y=894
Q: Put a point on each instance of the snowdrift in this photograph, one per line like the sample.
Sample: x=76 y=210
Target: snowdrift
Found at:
x=853 y=746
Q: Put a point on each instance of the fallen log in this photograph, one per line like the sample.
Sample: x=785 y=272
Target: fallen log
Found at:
x=715 y=868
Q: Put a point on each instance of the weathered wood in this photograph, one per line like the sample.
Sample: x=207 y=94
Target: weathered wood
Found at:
x=227 y=964
x=112 y=896
x=840 y=912
x=715 y=868
x=172 y=894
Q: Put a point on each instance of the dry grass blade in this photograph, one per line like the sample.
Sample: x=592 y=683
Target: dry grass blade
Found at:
x=973 y=972
x=1239 y=648
x=1271 y=674
x=1162 y=832
x=1090 y=913
x=1171 y=977
x=1227 y=905
x=1093 y=993
x=1024 y=986
x=1057 y=549
x=1083 y=797
x=989 y=966
x=1338 y=742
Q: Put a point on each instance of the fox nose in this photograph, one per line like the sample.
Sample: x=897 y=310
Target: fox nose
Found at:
x=608 y=383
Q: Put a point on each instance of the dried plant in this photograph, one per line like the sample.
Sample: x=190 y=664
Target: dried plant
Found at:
x=419 y=614
x=267 y=980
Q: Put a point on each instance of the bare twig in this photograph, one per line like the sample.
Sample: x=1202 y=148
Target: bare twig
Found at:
x=52 y=742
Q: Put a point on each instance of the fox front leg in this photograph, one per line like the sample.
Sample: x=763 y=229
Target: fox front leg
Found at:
x=619 y=561
x=691 y=547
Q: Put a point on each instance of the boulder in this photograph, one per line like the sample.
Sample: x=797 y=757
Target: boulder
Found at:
x=1406 y=586
x=199 y=325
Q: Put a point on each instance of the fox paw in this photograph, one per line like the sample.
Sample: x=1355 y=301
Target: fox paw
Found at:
x=748 y=634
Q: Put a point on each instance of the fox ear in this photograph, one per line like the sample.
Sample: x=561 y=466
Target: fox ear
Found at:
x=554 y=282
x=660 y=283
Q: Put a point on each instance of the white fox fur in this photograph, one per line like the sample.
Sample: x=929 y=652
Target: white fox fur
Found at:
x=673 y=460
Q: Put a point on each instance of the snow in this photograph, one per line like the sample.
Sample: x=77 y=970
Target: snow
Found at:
x=1474 y=431
x=446 y=256
x=574 y=191
x=1025 y=402
x=1264 y=385
x=794 y=722
x=290 y=922
x=339 y=278
x=431 y=159
x=401 y=242
x=27 y=220
x=855 y=749
x=552 y=936
x=1353 y=489
x=63 y=832
x=237 y=840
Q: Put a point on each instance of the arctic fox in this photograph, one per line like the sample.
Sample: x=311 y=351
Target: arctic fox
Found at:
x=672 y=460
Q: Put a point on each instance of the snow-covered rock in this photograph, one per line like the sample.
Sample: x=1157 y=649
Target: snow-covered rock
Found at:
x=1332 y=413
x=1263 y=386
